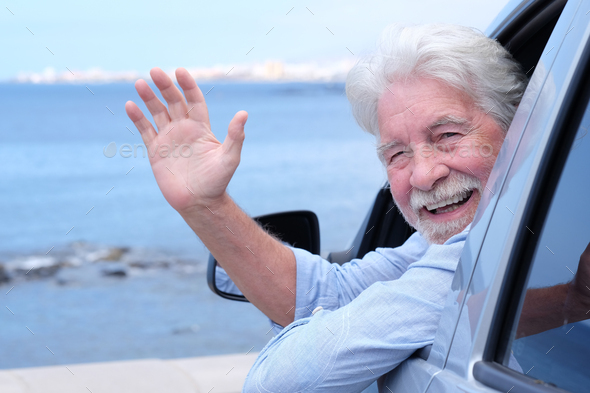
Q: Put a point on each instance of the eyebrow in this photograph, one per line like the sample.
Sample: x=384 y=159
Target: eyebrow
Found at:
x=383 y=147
x=448 y=119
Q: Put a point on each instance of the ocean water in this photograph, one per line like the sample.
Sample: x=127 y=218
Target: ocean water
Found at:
x=96 y=266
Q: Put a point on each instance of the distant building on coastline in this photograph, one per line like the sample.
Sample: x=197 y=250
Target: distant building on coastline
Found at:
x=270 y=71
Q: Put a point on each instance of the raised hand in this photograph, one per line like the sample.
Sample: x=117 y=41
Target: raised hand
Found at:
x=191 y=166
x=193 y=170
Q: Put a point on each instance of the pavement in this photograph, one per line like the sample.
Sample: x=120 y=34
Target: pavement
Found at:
x=215 y=374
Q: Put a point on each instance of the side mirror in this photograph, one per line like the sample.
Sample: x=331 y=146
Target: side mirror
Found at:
x=297 y=228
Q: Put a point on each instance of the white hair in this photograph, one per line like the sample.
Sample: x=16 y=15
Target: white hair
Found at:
x=461 y=57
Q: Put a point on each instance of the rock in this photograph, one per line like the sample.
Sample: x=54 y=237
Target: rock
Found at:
x=115 y=272
x=150 y=264
x=4 y=277
x=39 y=272
x=115 y=253
x=63 y=281
x=186 y=329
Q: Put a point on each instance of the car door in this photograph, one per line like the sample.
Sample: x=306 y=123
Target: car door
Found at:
x=468 y=316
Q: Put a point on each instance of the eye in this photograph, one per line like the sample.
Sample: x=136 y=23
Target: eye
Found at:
x=395 y=155
x=448 y=135
x=407 y=152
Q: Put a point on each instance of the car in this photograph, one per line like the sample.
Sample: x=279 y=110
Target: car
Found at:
x=528 y=232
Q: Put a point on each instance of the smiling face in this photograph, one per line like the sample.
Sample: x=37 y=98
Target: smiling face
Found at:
x=438 y=149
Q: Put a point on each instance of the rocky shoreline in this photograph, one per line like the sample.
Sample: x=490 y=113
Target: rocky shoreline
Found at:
x=107 y=261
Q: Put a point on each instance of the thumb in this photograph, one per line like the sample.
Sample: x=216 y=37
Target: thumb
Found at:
x=232 y=145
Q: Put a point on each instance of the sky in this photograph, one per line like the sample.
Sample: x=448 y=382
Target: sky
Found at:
x=136 y=35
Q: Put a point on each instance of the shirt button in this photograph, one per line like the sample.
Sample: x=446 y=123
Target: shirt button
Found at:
x=316 y=310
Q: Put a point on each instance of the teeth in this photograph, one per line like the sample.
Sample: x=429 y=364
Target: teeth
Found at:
x=450 y=201
x=450 y=209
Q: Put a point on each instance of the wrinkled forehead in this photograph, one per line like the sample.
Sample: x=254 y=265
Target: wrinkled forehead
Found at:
x=421 y=103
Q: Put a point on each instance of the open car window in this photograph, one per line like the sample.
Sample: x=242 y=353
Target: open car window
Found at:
x=535 y=343
x=559 y=355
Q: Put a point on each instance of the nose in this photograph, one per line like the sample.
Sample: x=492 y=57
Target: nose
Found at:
x=427 y=168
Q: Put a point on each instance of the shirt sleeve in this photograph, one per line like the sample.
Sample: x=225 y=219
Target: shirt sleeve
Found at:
x=331 y=286
x=346 y=349
x=224 y=283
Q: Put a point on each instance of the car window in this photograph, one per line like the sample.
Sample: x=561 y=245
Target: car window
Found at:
x=546 y=342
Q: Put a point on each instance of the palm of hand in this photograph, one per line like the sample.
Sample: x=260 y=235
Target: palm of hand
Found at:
x=190 y=165
x=180 y=160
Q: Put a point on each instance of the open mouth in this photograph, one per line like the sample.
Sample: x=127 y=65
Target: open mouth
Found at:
x=450 y=204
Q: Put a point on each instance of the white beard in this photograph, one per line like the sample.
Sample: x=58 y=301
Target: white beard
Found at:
x=454 y=184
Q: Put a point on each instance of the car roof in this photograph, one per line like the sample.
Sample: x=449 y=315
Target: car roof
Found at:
x=524 y=27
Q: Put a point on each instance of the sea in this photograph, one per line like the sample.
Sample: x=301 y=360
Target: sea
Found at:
x=96 y=266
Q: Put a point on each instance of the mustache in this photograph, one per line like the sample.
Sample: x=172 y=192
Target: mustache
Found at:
x=453 y=185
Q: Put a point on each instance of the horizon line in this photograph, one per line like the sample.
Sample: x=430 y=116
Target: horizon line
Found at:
x=268 y=71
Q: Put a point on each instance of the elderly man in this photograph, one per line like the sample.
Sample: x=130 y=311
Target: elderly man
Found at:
x=439 y=100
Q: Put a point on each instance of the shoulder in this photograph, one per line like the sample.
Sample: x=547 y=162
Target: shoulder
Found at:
x=444 y=256
x=412 y=250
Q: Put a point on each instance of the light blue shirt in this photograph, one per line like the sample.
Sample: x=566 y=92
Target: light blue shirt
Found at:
x=376 y=311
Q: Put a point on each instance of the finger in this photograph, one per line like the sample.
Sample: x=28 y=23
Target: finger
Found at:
x=143 y=125
x=153 y=103
x=196 y=101
x=232 y=145
x=176 y=103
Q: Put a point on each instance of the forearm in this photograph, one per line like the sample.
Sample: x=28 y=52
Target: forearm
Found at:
x=549 y=308
x=262 y=267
